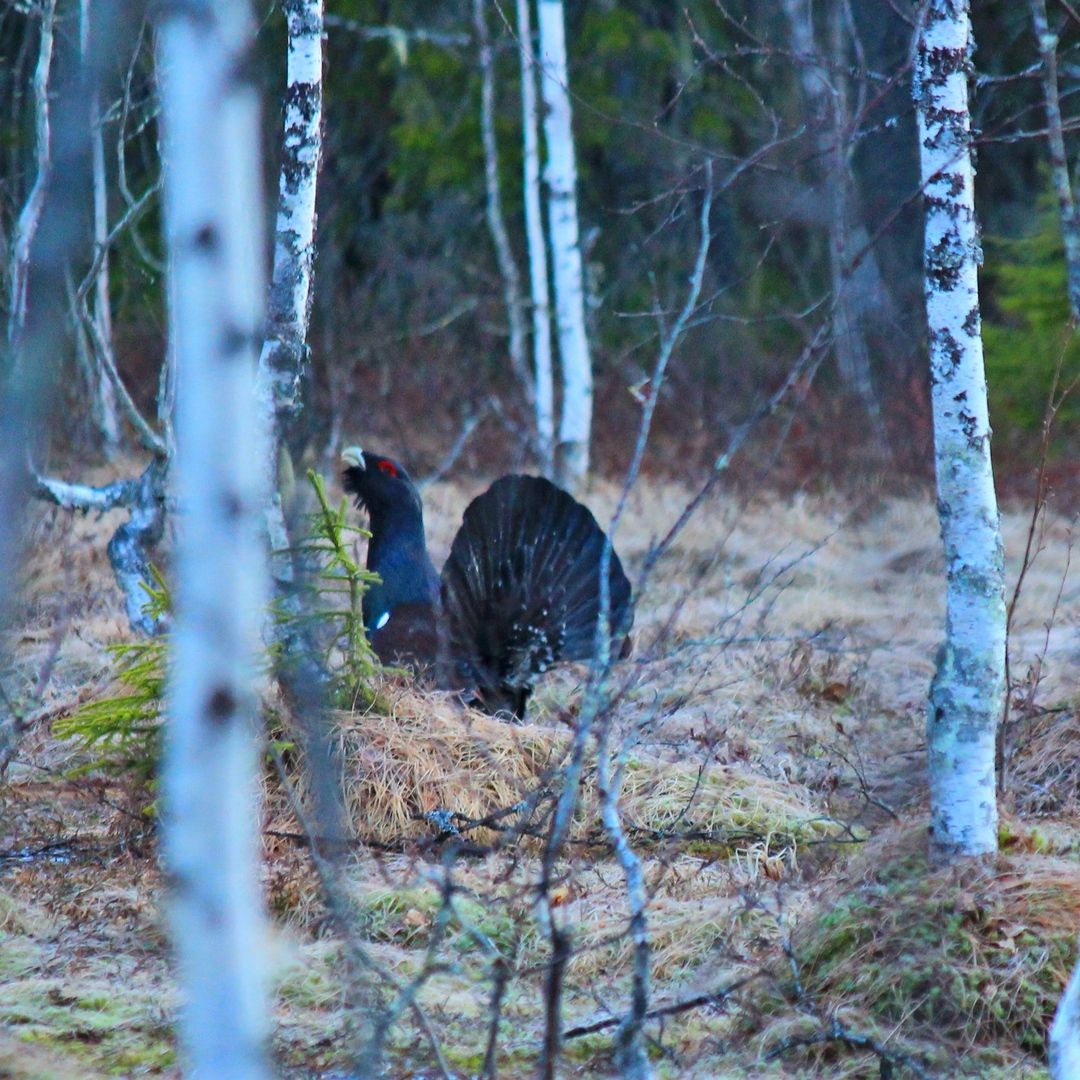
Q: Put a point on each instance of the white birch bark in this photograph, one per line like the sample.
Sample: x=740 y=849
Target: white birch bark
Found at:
x=1065 y=1032
x=30 y=216
x=213 y=221
x=285 y=350
x=561 y=174
x=967 y=693
x=537 y=247
x=504 y=253
x=104 y=394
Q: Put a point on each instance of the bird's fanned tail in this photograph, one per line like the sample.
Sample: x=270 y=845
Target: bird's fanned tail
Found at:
x=521 y=589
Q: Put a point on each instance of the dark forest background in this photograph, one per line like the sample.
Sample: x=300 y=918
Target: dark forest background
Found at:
x=409 y=335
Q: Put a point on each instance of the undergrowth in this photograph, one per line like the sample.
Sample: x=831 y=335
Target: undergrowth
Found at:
x=338 y=583
x=974 y=954
x=121 y=732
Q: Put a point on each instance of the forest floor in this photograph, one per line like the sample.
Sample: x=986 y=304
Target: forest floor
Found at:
x=773 y=787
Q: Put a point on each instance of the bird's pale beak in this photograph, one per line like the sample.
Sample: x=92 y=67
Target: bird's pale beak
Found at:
x=354 y=457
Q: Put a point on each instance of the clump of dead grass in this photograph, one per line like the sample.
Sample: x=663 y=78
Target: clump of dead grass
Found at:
x=972 y=954
x=1044 y=767
x=429 y=754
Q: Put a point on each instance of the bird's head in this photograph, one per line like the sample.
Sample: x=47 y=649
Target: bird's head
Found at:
x=379 y=483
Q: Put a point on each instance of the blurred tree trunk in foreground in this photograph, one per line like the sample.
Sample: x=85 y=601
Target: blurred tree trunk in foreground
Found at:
x=213 y=218
x=1064 y=1042
x=575 y=425
x=967 y=692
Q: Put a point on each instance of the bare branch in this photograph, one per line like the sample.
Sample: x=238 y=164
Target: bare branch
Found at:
x=398 y=35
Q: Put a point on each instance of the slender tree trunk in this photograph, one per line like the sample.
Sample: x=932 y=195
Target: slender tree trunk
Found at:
x=508 y=267
x=213 y=223
x=49 y=237
x=281 y=369
x=967 y=693
x=1065 y=1032
x=534 y=235
x=285 y=352
x=827 y=99
x=561 y=174
x=30 y=216
x=1059 y=163
x=104 y=395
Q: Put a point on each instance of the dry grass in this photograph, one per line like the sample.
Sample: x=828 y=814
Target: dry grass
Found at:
x=427 y=753
x=1044 y=763
x=781 y=666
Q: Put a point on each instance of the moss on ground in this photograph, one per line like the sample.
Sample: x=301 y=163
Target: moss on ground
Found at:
x=976 y=954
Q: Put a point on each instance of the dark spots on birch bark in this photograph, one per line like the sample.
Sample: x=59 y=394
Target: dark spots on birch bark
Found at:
x=969 y=425
x=237 y=341
x=302 y=20
x=207 y=239
x=306 y=99
x=972 y=322
x=242 y=72
x=946 y=347
x=945 y=263
x=939 y=64
x=232 y=505
x=221 y=706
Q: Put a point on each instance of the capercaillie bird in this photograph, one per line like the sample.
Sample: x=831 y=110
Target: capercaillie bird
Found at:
x=519 y=592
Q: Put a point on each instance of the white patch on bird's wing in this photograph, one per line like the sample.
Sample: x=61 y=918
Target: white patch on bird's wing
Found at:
x=382 y=620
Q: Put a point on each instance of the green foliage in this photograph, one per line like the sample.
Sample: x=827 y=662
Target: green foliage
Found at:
x=437 y=130
x=122 y=732
x=1028 y=331
x=339 y=584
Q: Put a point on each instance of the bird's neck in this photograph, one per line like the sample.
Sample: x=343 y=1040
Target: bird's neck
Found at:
x=398 y=554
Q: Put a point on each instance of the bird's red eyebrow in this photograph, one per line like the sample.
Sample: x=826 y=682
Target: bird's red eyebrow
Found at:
x=387 y=467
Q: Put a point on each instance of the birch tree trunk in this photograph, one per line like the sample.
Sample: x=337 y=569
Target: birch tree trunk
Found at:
x=967 y=693
x=285 y=350
x=1059 y=162
x=213 y=219
x=104 y=395
x=1065 y=1032
x=30 y=216
x=282 y=363
x=825 y=94
x=561 y=174
x=504 y=253
x=537 y=247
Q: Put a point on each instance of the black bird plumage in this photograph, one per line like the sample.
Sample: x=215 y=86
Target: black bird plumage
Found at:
x=519 y=592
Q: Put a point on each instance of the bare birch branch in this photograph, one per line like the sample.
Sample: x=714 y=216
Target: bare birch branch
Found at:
x=397 y=34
